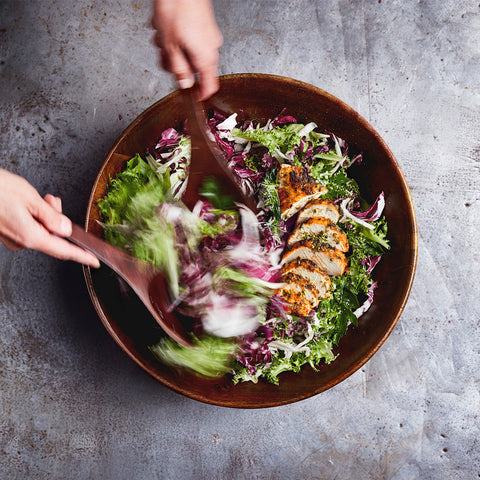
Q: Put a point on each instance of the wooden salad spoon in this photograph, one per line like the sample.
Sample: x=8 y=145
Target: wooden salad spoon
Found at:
x=207 y=159
x=144 y=278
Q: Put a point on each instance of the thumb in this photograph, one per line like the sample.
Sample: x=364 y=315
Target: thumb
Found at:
x=51 y=219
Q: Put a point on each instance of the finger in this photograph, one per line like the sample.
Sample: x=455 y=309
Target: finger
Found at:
x=208 y=81
x=11 y=245
x=179 y=65
x=54 y=202
x=54 y=246
x=62 y=249
x=51 y=219
x=37 y=237
x=89 y=259
x=205 y=63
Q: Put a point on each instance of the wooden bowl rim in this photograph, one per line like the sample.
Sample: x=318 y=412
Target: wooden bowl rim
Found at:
x=356 y=365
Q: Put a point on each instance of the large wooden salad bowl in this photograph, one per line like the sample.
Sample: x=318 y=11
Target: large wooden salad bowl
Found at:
x=260 y=97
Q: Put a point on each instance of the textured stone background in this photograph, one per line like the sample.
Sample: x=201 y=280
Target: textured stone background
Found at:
x=74 y=74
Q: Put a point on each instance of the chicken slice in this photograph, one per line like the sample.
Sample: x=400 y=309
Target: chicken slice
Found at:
x=309 y=291
x=300 y=295
x=331 y=261
x=319 y=208
x=295 y=302
x=312 y=272
x=321 y=231
x=295 y=189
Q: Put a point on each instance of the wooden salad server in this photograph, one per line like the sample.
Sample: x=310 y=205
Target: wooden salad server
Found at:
x=207 y=159
x=144 y=278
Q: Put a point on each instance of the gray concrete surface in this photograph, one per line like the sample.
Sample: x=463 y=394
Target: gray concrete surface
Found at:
x=73 y=406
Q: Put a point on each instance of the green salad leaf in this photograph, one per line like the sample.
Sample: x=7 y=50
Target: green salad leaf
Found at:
x=282 y=138
x=209 y=356
x=128 y=212
x=211 y=191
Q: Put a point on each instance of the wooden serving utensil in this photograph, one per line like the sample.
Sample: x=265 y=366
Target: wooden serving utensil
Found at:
x=207 y=159
x=146 y=280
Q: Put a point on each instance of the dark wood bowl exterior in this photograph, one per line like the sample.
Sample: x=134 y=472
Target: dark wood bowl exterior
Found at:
x=259 y=97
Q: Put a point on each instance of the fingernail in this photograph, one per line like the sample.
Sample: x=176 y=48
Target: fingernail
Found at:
x=185 y=83
x=65 y=227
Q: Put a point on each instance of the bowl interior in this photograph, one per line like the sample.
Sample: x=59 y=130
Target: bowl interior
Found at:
x=259 y=97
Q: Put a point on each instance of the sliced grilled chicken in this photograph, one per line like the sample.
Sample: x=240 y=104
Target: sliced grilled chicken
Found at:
x=309 y=290
x=295 y=302
x=331 y=261
x=321 y=231
x=319 y=208
x=312 y=272
x=295 y=189
x=299 y=294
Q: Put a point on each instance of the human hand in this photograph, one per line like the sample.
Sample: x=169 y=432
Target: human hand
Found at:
x=189 y=38
x=29 y=221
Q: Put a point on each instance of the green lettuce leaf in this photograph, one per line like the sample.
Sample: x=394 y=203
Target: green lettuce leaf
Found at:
x=283 y=138
x=128 y=211
x=209 y=356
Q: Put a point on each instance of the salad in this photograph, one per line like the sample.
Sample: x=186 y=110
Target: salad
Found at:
x=269 y=292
